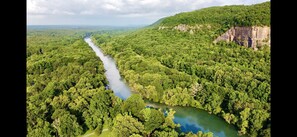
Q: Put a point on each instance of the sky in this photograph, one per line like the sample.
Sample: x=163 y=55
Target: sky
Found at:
x=114 y=12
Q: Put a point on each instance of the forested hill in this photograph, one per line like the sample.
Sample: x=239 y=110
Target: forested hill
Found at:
x=166 y=64
x=235 y=15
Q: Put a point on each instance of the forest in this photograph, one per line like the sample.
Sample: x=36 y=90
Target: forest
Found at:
x=183 y=69
x=235 y=15
x=67 y=95
x=66 y=86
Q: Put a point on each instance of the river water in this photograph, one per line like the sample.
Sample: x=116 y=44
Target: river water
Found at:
x=190 y=119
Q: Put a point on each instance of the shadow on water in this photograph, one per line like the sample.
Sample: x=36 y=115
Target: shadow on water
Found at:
x=190 y=127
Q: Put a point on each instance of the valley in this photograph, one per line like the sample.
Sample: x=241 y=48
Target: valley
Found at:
x=201 y=73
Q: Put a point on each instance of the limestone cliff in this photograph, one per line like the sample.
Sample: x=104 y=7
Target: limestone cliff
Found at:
x=247 y=36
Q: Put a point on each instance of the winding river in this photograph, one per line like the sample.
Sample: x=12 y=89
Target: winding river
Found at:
x=190 y=119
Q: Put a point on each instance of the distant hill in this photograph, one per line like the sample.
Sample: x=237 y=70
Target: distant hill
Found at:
x=252 y=23
x=235 y=15
x=158 y=22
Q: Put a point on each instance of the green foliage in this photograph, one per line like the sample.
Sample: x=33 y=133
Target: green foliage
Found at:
x=177 y=68
x=133 y=105
x=208 y=134
x=98 y=129
x=235 y=15
x=42 y=128
x=243 y=122
x=169 y=120
x=66 y=93
x=65 y=85
x=199 y=134
x=171 y=133
x=266 y=132
x=99 y=108
x=126 y=125
x=135 y=135
x=65 y=124
x=152 y=119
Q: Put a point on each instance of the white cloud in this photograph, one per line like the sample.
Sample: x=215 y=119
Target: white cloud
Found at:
x=87 y=12
x=114 y=9
x=111 y=7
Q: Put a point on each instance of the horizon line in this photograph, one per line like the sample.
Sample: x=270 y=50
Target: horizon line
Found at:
x=86 y=25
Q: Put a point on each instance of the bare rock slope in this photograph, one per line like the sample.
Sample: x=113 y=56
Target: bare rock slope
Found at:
x=253 y=37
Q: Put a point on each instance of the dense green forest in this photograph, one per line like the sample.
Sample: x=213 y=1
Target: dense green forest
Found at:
x=180 y=68
x=235 y=15
x=66 y=94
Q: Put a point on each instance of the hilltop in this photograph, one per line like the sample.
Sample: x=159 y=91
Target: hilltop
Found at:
x=234 y=15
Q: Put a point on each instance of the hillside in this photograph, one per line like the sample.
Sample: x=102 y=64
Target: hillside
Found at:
x=235 y=15
x=176 y=62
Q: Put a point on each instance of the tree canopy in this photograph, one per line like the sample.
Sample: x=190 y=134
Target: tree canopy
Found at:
x=180 y=68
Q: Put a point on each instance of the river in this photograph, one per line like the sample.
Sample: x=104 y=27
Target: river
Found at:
x=190 y=119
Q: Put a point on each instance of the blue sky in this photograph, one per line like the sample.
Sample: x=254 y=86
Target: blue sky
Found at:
x=114 y=12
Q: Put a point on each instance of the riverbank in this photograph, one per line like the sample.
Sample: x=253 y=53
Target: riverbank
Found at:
x=190 y=119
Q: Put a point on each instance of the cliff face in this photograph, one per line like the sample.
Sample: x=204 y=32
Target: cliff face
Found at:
x=247 y=36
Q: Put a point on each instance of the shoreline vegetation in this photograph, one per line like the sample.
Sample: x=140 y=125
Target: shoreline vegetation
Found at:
x=179 y=68
x=66 y=93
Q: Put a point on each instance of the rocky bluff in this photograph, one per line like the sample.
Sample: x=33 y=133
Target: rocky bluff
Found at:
x=253 y=37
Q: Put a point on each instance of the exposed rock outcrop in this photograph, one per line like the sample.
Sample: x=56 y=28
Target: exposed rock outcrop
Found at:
x=187 y=28
x=162 y=27
x=182 y=27
x=253 y=37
